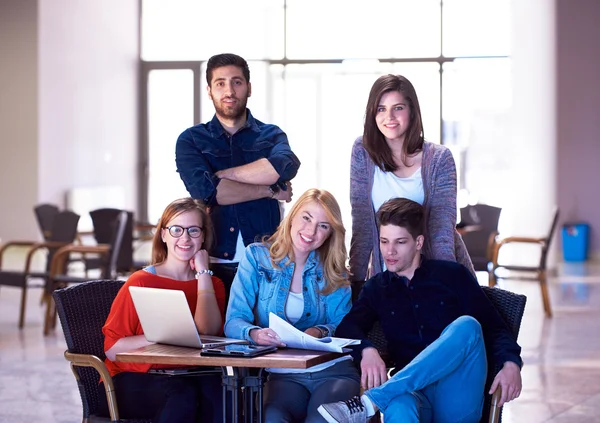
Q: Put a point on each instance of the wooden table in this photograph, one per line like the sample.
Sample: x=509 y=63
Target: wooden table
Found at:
x=240 y=381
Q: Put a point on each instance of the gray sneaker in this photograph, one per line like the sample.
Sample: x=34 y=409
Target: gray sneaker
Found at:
x=350 y=411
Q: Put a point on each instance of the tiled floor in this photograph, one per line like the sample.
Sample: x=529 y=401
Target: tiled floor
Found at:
x=561 y=376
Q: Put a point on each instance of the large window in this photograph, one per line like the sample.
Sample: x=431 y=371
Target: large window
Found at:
x=312 y=64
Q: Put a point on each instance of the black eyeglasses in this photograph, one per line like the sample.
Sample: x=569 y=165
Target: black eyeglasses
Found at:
x=176 y=231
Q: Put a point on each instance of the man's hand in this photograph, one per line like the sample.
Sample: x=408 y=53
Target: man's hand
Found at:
x=509 y=378
x=284 y=195
x=372 y=369
x=266 y=336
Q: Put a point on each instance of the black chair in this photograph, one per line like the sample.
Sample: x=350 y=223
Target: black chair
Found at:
x=103 y=221
x=479 y=228
x=534 y=273
x=511 y=307
x=59 y=276
x=45 y=214
x=62 y=233
x=82 y=310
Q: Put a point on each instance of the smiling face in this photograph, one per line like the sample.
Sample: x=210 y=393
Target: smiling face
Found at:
x=229 y=92
x=310 y=228
x=393 y=116
x=184 y=247
x=401 y=252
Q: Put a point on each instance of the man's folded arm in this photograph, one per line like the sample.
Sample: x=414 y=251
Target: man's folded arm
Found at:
x=231 y=192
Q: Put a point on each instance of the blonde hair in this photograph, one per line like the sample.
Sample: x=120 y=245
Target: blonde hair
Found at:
x=182 y=205
x=333 y=251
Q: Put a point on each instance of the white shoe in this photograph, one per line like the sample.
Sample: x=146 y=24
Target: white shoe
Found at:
x=350 y=411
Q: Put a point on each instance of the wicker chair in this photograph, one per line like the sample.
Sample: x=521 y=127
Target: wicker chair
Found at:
x=45 y=214
x=479 y=242
x=63 y=233
x=59 y=276
x=511 y=307
x=82 y=310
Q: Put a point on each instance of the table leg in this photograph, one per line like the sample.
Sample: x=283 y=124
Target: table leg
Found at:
x=240 y=381
x=232 y=383
x=254 y=385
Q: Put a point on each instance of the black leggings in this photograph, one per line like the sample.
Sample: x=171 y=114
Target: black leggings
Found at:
x=295 y=397
x=162 y=398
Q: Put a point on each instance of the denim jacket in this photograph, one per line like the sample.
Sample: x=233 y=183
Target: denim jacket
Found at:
x=259 y=288
x=204 y=149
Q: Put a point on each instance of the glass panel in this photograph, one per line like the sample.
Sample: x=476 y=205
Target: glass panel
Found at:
x=321 y=107
x=425 y=77
x=170 y=112
x=476 y=28
x=195 y=30
x=375 y=29
x=476 y=112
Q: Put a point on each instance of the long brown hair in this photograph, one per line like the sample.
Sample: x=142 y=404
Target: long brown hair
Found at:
x=374 y=141
x=333 y=251
x=182 y=205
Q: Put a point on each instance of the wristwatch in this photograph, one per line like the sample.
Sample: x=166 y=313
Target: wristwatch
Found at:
x=324 y=332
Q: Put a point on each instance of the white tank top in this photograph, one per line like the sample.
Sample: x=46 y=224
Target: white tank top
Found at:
x=294 y=306
x=386 y=186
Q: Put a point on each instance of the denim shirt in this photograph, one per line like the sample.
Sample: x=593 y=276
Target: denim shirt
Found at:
x=259 y=288
x=204 y=149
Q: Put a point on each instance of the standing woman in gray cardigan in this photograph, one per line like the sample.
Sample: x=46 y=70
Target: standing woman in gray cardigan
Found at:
x=392 y=159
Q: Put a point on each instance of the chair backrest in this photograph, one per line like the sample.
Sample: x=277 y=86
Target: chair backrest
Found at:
x=546 y=245
x=511 y=307
x=45 y=214
x=117 y=242
x=478 y=242
x=83 y=309
x=481 y=214
x=106 y=226
x=64 y=229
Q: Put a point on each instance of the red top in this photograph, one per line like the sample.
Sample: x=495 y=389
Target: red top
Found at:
x=123 y=320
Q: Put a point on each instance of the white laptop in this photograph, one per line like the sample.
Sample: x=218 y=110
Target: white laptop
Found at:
x=166 y=318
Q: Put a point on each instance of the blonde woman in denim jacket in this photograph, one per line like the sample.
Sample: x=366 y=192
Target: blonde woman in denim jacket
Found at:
x=299 y=274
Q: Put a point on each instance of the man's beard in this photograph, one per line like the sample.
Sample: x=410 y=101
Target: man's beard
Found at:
x=231 y=112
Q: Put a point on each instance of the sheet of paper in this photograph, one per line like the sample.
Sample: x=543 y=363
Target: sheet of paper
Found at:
x=295 y=338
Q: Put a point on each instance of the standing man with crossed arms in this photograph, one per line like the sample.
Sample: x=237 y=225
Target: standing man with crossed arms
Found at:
x=238 y=166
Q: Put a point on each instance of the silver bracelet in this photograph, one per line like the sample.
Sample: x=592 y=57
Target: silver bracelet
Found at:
x=202 y=272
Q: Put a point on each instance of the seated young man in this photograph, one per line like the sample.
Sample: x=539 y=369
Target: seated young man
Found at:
x=437 y=322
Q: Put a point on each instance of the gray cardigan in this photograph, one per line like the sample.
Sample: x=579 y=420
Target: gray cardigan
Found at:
x=442 y=242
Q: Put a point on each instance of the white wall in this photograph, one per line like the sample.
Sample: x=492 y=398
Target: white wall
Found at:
x=88 y=61
x=531 y=147
x=18 y=118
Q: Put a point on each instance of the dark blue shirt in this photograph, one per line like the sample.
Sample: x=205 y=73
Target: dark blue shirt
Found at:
x=413 y=315
x=204 y=149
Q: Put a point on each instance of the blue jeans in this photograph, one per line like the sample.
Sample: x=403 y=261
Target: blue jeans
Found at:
x=444 y=383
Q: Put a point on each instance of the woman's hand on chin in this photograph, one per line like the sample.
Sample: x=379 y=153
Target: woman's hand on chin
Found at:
x=200 y=261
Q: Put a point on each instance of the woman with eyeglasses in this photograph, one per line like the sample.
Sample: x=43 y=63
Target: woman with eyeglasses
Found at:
x=179 y=261
x=300 y=274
